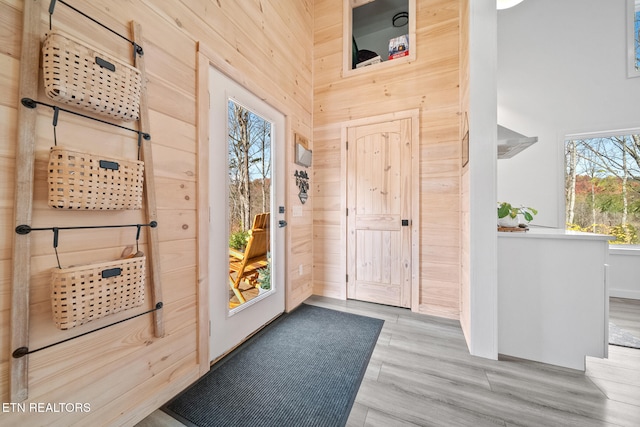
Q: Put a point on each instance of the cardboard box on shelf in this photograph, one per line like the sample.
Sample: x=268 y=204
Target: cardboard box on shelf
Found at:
x=374 y=60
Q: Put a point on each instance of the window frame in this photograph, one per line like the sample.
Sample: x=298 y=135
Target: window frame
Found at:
x=562 y=176
x=347 y=33
x=633 y=6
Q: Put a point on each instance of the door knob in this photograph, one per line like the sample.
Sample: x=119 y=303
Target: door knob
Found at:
x=282 y=223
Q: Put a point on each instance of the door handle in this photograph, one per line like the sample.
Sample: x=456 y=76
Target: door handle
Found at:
x=282 y=223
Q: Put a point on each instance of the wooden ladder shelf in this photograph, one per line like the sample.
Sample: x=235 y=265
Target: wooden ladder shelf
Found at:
x=25 y=165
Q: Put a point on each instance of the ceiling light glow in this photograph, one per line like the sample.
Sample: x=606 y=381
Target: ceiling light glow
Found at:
x=506 y=4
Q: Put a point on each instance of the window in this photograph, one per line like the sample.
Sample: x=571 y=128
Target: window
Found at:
x=602 y=185
x=633 y=37
x=372 y=28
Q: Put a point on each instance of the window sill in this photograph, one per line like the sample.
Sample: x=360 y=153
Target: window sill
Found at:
x=346 y=72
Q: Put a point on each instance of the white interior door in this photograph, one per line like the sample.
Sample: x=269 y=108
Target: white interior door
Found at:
x=231 y=326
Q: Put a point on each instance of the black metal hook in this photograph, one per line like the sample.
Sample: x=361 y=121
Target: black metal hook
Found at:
x=29 y=103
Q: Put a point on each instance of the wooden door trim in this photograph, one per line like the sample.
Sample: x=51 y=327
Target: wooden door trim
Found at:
x=414 y=115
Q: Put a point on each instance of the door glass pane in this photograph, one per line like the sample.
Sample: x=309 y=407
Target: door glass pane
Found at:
x=633 y=38
x=636 y=35
x=249 y=148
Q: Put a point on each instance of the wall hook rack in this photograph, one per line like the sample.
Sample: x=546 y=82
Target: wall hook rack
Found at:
x=31 y=103
x=23 y=351
x=137 y=49
x=28 y=92
x=26 y=229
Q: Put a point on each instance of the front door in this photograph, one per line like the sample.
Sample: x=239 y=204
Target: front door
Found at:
x=379 y=209
x=246 y=191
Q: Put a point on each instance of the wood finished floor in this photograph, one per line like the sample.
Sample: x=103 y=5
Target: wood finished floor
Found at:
x=421 y=374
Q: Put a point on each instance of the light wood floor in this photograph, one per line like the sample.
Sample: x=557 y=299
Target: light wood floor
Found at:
x=421 y=374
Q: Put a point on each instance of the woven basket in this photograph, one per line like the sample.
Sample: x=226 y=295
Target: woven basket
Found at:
x=84 y=293
x=79 y=180
x=80 y=75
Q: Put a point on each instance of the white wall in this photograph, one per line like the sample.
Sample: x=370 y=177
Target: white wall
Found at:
x=561 y=69
x=482 y=177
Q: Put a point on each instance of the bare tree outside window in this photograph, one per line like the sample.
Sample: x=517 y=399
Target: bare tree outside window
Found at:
x=602 y=186
x=249 y=145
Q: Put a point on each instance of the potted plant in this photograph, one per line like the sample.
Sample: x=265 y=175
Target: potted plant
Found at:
x=508 y=214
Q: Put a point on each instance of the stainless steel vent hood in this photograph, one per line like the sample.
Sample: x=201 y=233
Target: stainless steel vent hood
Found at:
x=511 y=143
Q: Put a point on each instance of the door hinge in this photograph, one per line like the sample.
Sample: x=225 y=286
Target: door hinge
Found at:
x=209 y=327
x=347 y=278
x=346 y=144
x=347 y=211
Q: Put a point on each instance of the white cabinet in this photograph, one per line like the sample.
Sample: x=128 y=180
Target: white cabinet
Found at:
x=624 y=271
x=553 y=304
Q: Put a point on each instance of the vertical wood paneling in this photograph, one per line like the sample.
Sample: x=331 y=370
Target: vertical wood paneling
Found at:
x=124 y=372
x=430 y=83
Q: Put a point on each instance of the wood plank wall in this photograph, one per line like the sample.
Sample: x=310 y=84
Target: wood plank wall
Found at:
x=123 y=371
x=430 y=83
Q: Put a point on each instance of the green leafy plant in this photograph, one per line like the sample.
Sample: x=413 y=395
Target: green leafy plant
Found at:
x=264 y=276
x=238 y=240
x=505 y=209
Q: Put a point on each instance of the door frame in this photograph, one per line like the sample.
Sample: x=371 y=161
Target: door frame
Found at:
x=414 y=115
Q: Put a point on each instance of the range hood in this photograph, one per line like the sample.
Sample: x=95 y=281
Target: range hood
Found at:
x=511 y=143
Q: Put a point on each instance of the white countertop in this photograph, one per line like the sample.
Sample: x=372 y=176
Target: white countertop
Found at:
x=553 y=233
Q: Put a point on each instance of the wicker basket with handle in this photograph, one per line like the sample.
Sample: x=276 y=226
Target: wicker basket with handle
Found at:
x=79 y=180
x=89 y=292
x=76 y=73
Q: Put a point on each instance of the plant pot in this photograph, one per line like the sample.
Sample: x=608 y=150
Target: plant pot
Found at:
x=507 y=221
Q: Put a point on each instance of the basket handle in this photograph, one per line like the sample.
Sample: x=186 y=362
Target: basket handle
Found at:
x=25 y=229
x=105 y=64
x=111 y=272
x=107 y=164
